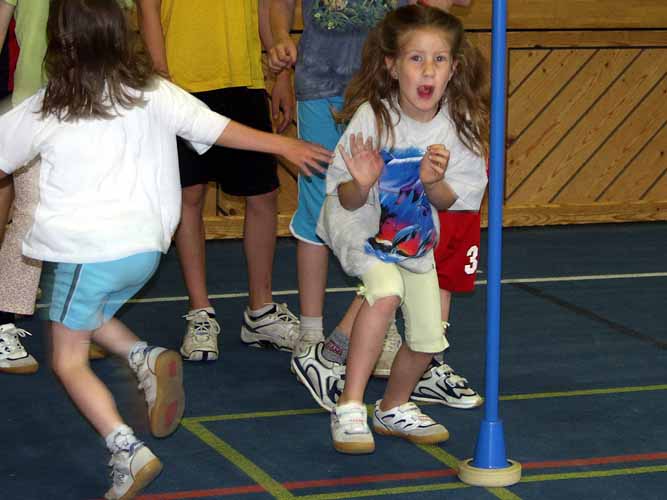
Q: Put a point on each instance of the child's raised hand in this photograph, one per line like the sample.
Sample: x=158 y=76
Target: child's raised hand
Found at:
x=308 y=156
x=282 y=55
x=433 y=165
x=364 y=162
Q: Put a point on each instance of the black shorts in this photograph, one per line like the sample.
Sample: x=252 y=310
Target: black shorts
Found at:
x=237 y=172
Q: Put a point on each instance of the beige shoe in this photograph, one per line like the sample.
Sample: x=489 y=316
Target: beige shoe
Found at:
x=391 y=345
x=132 y=470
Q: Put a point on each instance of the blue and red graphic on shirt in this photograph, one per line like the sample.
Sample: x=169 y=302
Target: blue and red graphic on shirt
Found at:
x=407 y=229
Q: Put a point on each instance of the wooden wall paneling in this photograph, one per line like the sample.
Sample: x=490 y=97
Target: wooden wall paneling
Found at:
x=521 y=64
x=597 y=122
x=551 y=138
x=643 y=178
x=541 y=87
x=632 y=135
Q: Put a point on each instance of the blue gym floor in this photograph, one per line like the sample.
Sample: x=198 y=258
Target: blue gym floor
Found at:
x=583 y=385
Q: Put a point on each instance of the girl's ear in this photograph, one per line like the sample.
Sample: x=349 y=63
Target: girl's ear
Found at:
x=390 y=64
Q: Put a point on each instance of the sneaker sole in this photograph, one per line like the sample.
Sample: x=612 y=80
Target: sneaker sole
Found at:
x=382 y=373
x=170 y=399
x=351 y=448
x=252 y=339
x=20 y=370
x=301 y=377
x=452 y=404
x=431 y=439
x=201 y=356
x=144 y=477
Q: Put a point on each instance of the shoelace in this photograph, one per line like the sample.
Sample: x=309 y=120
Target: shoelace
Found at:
x=11 y=341
x=120 y=463
x=310 y=335
x=292 y=322
x=202 y=325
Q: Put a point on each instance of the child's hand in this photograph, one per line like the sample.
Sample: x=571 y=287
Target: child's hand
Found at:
x=307 y=156
x=433 y=165
x=364 y=162
x=282 y=55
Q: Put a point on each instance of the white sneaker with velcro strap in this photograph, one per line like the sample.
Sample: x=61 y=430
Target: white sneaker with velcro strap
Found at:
x=408 y=422
x=349 y=429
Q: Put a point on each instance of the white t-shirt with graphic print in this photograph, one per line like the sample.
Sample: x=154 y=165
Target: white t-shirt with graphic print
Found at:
x=397 y=223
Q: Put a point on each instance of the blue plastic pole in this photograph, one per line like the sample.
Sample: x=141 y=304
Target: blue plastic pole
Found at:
x=490 y=449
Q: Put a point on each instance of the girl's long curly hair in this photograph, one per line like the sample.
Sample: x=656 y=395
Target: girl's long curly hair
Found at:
x=94 y=62
x=466 y=95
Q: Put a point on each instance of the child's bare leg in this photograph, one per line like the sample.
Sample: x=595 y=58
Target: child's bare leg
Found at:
x=346 y=324
x=89 y=394
x=365 y=345
x=407 y=369
x=115 y=337
x=312 y=263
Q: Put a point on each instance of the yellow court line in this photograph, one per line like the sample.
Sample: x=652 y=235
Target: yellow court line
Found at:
x=511 y=397
x=273 y=487
x=453 y=463
x=254 y=414
x=533 y=478
x=584 y=392
x=498 y=492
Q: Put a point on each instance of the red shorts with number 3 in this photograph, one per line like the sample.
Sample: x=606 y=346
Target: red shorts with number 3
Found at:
x=457 y=253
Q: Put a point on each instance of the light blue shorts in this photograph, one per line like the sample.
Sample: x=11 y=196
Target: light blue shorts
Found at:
x=85 y=296
x=315 y=124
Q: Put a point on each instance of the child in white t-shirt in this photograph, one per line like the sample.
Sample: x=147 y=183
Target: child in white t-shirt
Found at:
x=105 y=127
x=414 y=145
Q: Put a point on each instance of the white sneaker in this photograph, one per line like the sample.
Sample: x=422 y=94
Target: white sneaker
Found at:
x=13 y=356
x=349 y=429
x=407 y=421
x=131 y=471
x=308 y=337
x=390 y=346
x=160 y=374
x=323 y=379
x=440 y=384
x=201 y=337
x=278 y=328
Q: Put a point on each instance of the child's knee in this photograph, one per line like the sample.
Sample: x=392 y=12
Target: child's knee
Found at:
x=388 y=293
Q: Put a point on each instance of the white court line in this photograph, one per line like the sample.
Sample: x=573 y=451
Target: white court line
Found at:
x=547 y=279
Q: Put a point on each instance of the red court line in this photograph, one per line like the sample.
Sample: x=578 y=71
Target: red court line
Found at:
x=346 y=481
x=615 y=459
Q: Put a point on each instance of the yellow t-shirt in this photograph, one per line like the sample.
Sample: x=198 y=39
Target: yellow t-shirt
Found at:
x=213 y=44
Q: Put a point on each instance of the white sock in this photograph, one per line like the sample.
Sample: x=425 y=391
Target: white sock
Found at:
x=121 y=438
x=311 y=322
x=262 y=310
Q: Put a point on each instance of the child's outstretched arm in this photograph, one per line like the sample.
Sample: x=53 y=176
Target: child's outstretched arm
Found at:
x=151 y=32
x=307 y=156
x=283 y=53
x=432 y=174
x=365 y=166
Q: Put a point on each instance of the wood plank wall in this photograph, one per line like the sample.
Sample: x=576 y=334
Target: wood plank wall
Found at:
x=587 y=115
